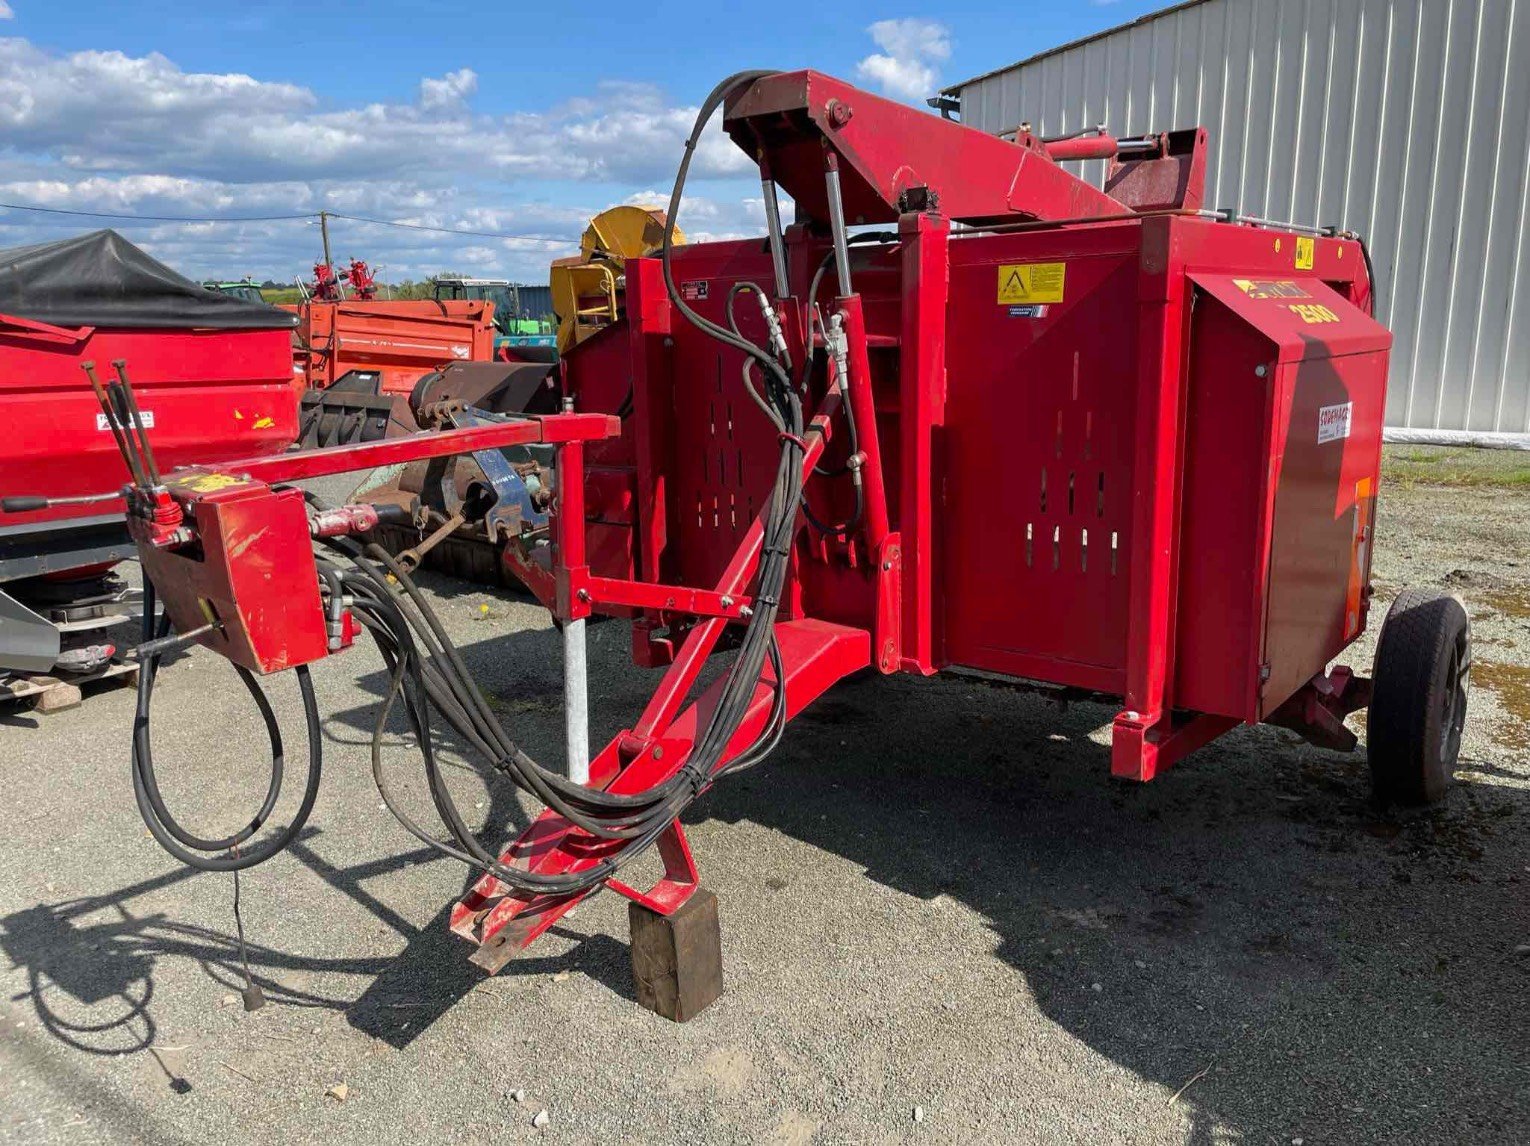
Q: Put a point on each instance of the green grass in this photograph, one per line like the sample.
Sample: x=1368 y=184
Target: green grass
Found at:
x=1408 y=465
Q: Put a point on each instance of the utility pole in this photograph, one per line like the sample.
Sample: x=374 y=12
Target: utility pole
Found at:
x=324 y=231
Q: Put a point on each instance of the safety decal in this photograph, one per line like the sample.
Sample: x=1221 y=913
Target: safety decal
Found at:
x=1263 y=288
x=144 y=421
x=1032 y=282
x=1306 y=253
x=209 y=483
x=1333 y=422
x=1313 y=314
x=696 y=290
x=1037 y=311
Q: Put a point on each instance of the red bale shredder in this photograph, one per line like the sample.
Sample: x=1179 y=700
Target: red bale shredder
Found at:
x=966 y=413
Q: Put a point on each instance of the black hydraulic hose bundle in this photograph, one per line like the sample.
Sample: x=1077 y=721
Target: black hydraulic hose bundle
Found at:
x=234 y=852
x=428 y=674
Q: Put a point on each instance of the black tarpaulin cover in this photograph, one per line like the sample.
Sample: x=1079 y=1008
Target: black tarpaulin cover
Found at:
x=101 y=279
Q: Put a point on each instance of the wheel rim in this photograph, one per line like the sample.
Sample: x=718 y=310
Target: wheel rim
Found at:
x=1453 y=717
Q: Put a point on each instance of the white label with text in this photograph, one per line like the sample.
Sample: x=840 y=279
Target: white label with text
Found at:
x=1333 y=422
x=145 y=421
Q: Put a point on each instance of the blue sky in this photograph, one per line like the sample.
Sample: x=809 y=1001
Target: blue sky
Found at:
x=487 y=117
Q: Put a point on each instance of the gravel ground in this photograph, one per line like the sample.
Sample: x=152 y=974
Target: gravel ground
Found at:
x=940 y=918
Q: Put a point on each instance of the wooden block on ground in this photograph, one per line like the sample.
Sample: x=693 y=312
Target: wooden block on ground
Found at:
x=677 y=959
x=57 y=696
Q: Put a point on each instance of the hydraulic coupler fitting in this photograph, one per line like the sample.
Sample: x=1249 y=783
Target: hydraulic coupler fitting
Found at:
x=773 y=324
x=839 y=349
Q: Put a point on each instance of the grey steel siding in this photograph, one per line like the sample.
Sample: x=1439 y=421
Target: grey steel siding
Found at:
x=1405 y=120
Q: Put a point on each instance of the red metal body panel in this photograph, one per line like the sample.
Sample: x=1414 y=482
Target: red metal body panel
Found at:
x=1274 y=544
x=1039 y=432
x=1034 y=456
x=253 y=576
x=208 y=394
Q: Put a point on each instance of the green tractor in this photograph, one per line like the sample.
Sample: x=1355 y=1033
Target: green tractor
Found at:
x=518 y=310
x=245 y=290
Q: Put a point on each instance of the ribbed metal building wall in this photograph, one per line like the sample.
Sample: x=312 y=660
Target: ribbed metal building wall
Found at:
x=1405 y=120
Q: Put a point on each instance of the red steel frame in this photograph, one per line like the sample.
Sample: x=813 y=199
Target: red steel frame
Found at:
x=883 y=148
x=1147 y=735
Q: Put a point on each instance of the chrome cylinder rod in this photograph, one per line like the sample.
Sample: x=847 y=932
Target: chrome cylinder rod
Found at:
x=837 y=226
x=773 y=227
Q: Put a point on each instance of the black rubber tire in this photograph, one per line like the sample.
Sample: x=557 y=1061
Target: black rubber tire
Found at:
x=1418 y=698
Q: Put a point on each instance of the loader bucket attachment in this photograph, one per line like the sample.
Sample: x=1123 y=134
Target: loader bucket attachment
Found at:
x=355 y=409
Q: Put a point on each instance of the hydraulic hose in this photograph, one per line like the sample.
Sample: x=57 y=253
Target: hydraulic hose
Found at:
x=427 y=672
x=197 y=851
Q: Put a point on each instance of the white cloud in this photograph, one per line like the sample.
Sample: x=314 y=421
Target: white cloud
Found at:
x=283 y=249
x=5 y=11
x=450 y=92
x=106 y=111
x=106 y=131
x=908 y=66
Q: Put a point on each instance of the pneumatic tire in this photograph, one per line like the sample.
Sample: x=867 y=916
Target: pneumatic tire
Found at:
x=1418 y=697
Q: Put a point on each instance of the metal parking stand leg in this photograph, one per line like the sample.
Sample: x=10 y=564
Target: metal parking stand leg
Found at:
x=576 y=701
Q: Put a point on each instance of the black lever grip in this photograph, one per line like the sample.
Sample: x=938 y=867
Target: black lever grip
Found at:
x=26 y=504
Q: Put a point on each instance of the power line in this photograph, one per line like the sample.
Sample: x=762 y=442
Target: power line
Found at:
x=562 y=242
x=155 y=218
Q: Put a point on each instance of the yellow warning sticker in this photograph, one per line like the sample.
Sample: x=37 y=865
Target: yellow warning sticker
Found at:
x=209 y=483
x=1306 y=252
x=1032 y=282
x=1264 y=288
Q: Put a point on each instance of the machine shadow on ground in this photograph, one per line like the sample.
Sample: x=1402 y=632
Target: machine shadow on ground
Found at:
x=1253 y=912
x=90 y=961
x=1250 y=913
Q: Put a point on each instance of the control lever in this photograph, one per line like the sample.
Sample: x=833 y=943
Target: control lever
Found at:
x=410 y=558
x=31 y=503
x=173 y=643
x=116 y=418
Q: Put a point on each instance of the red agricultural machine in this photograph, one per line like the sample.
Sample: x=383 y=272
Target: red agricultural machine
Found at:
x=213 y=376
x=967 y=413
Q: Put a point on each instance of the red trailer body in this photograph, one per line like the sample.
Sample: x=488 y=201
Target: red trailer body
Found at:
x=359 y=360
x=205 y=394
x=400 y=342
x=214 y=375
